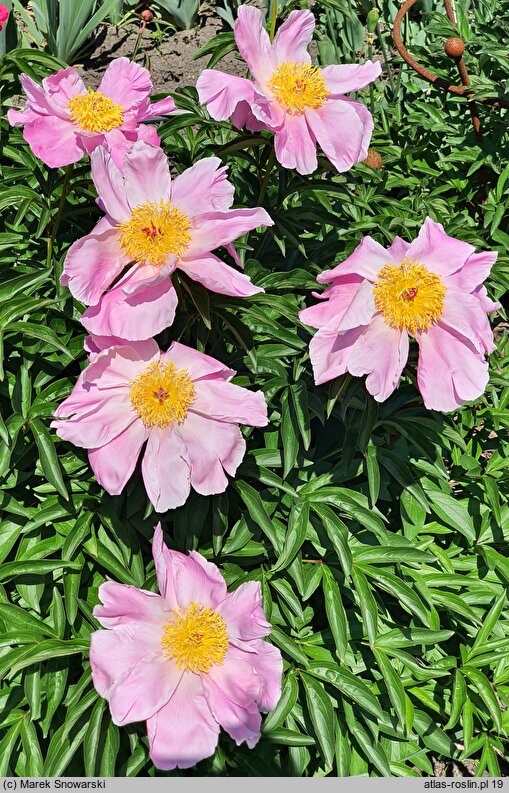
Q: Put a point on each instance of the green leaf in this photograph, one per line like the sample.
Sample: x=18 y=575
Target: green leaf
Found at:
x=48 y=456
x=322 y=717
x=335 y=611
x=349 y=685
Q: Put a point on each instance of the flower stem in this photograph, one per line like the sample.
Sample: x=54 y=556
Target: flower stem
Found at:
x=384 y=55
x=273 y=19
x=266 y=177
x=56 y=223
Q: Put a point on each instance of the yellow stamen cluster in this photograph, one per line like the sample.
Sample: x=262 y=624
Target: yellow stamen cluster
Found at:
x=297 y=86
x=154 y=232
x=162 y=394
x=94 y=112
x=409 y=296
x=196 y=638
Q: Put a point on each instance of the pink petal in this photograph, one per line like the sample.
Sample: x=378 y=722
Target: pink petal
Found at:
x=475 y=270
x=334 y=303
x=196 y=363
x=146 y=174
x=253 y=43
x=350 y=77
x=184 y=731
x=361 y=309
x=130 y=670
x=293 y=38
x=161 y=108
x=114 y=463
x=203 y=188
x=397 y=250
x=486 y=303
x=214 y=229
x=464 y=315
x=295 y=145
x=222 y=401
x=111 y=415
x=437 y=251
x=243 y=116
x=221 y=93
x=61 y=87
x=242 y=723
x=109 y=185
x=218 y=276
x=450 y=370
x=183 y=579
x=122 y=604
x=212 y=446
x=148 y=133
x=268 y=666
x=53 y=140
x=166 y=469
x=347 y=149
x=329 y=352
x=367 y=259
x=126 y=83
x=135 y=316
x=117 y=366
x=95 y=344
x=243 y=613
x=93 y=263
x=381 y=353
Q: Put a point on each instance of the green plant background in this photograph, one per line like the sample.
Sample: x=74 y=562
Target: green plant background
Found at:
x=379 y=532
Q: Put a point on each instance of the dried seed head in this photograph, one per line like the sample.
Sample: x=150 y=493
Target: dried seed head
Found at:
x=454 y=48
x=373 y=160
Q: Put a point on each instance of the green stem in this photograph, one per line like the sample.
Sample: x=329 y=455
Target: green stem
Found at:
x=273 y=19
x=371 y=90
x=268 y=172
x=56 y=223
x=384 y=55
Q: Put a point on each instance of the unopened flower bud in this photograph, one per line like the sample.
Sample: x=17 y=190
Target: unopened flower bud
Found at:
x=147 y=15
x=372 y=20
x=373 y=160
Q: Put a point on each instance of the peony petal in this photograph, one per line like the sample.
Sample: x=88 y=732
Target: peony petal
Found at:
x=268 y=665
x=166 y=469
x=295 y=145
x=334 y=303
x=196 y=363
x=135 y=316
x=381 y=353
x=464 y=315
x=110 y=416
x=218 y=276
x=122 y=604
x=183 y=579
x=329 y=352
x=126 y=83
x=254 y=44
x=361 y=309
x=109 y=185
x=222 y=401
x=114 y=463
x=60 y=88
x=293 y=38
x=348 y=148
x=348 y=77
x=473 y=273
x=92 y=264
x=397 y=250
x=203 y=188
x=53 y=140
x=450 y=370
x=367 y=259
x=222 y=93
x=146 y=174
x=242 y=723
x=437 y=251
x=161 y=108
x=184 y=731
x=243 y=613
x=214 y=229
x=212 y=446
x=130 y=670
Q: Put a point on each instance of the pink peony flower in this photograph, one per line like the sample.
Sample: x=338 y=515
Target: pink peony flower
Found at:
x=156 y=226
x=302 y=104
x=187 y=661
x=63 y=121
x=4 y=16
x=179 y=403
x=430 y=289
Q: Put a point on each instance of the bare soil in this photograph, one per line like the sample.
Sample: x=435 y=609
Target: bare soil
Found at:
x=170 y=59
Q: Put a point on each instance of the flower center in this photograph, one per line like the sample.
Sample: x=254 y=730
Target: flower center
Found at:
x=298 y=86
x=94 y=112
x=162 y=394
x=408 y=296
x=155 y=231
x=196 y=638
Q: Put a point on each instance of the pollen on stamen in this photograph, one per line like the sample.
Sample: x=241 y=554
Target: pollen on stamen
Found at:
x=195 y=638
x=95 y=112
x=162 y=394
x=409 y=296
x=155 y=231
x=298 y=86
